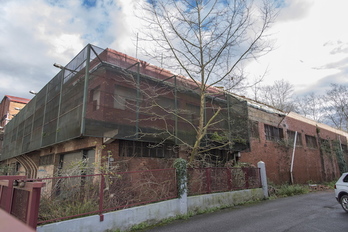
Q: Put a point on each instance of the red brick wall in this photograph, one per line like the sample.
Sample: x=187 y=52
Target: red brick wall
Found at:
x=310 y=165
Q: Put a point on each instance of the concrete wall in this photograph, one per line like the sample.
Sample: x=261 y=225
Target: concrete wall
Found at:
x=153 y=213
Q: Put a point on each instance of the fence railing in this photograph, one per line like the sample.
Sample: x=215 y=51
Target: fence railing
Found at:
x=210 y=180
x=75 y=196
x=20 y=198
x=66 y=197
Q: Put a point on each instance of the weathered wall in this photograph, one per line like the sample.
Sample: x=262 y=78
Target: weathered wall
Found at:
x=310 y=164
x=124 y=219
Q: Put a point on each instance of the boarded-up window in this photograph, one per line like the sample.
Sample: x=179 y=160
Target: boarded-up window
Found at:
x=291 y=137
x=273 y=133
x=254 y=129
x=145 y=149
x=311 y=141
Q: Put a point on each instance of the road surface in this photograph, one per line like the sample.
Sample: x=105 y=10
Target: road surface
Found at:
x=318 y=211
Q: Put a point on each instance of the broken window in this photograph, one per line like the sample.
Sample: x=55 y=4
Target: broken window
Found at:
x=273 y=133
x=291 y=137
x=311 y=141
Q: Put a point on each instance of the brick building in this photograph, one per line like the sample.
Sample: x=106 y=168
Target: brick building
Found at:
x=115 y=112
x=9 y=107
x=112 y=110
x=320 y=153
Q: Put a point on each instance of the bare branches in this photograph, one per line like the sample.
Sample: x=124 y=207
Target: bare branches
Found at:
x=208 y=41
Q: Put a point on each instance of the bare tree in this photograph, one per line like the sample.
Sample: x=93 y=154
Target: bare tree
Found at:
x=336 y=100
x=278 y=95
x=311 y=106
x=207 y=41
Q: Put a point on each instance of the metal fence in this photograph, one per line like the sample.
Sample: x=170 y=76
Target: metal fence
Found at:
x=75 y=196
x=210 y=180
x=104 y=93
x=67 y=197
x=20 y=198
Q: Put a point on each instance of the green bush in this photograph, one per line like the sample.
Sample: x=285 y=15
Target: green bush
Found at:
x=291 y=190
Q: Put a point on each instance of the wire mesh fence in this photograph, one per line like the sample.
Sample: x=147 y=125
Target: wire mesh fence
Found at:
x=210 y=180
x=75 y=196
x=66 y=197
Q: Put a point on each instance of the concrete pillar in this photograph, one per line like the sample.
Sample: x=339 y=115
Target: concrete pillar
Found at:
x=264 y=184
x=183 y=199
x=181 y=172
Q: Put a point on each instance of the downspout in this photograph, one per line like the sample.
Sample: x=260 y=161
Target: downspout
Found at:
x=292 y=159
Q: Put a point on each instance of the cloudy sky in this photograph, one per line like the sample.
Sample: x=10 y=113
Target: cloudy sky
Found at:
x=310 y=50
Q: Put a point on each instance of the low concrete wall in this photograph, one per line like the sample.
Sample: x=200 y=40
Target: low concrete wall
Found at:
x=152 y=213
x=215 y=200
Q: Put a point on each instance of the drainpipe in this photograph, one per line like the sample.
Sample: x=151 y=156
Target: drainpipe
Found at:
x=292 y=159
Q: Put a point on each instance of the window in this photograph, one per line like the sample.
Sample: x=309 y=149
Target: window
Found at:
x=311 y=141
x=95 y=98
x=273 y=133
x=46 y=160
x=254 y=129
x=291 y=137
x=345 y=179
x=124 y=96
x=146 y=149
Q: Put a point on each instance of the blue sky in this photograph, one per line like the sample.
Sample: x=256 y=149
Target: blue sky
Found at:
x=311 y=42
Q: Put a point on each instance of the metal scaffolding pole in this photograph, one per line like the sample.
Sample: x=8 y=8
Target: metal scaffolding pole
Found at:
x=85 y=91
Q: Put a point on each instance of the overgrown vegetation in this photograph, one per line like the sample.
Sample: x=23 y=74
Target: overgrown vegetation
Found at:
x=290 y=190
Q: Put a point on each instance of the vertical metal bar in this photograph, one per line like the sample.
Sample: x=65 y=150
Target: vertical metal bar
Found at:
x=246 y=175
x=101 y=197
x=44 y=115
x=85 y=91
x=59 y=103
x=229 y=122
x=208 y=176
x=205 y=120
x=176 y=112
x=138 y=102
x=229 y=178
x=33 y=205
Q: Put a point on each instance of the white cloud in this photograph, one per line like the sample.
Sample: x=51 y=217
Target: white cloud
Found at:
x=311 y=43
x=310 y=49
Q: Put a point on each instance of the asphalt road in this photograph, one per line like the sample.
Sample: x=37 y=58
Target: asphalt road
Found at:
x=318 y=211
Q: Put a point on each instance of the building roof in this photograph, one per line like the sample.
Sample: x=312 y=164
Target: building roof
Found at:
x=314 y=123
x=17 y=99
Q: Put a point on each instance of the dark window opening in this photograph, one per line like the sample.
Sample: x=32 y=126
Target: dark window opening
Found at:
x=46 y=160
x=291 y=138
x=146 y=149
x=273 y=133
x=311 y=141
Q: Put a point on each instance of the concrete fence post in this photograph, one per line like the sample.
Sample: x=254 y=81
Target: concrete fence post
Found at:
x=264 y=184
x=181 y=172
